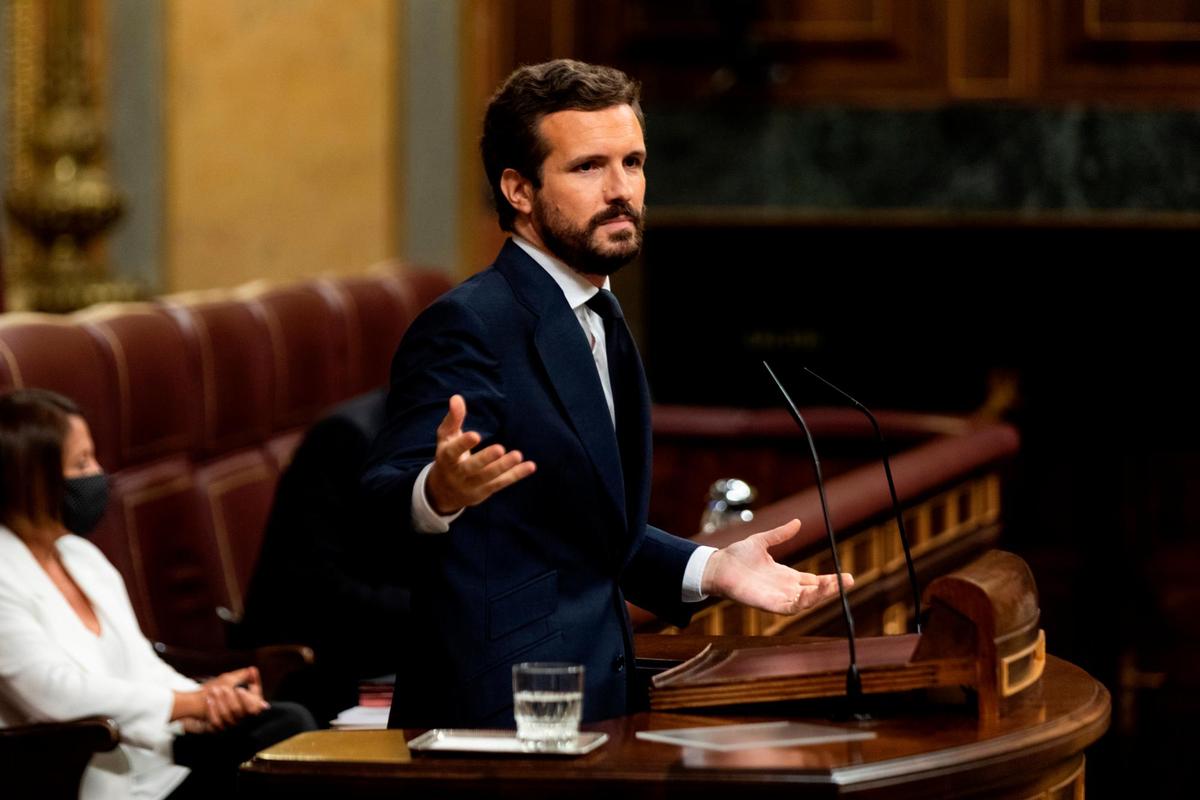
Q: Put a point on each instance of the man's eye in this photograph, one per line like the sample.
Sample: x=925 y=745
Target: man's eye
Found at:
x=586 y=166
x=633 y=163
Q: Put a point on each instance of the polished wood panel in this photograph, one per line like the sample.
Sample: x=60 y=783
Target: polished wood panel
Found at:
x=919 y=751
x=988 y=46
x=868 y=50
x=892 y=52
x=1120 y=51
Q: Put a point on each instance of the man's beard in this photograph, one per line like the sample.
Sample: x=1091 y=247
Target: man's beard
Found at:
x=575 y=247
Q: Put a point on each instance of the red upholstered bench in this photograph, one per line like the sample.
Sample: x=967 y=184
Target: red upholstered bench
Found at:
x=196 y=403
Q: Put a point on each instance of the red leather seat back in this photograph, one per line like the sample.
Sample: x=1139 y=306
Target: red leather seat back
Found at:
x=235 y=493
x=157 y=391
x=378 y=309
x=306 y=333
x=175 y=573
x=231 y=355
x=196 y=404
x=425 y=285
x=53 y=352
x=234 y=476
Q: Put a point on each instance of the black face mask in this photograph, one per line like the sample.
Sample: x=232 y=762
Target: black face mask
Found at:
x=84 y=501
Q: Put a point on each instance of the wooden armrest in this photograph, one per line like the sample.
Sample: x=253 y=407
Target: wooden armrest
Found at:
x=47 y=759
x=715 y=423
x=97 y=734
x=202 y=663
x=275 y=662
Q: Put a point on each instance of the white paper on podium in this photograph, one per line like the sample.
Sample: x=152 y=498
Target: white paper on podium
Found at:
x=754 y=735
x=362 y=718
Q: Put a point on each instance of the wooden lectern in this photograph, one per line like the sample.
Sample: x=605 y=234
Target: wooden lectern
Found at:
x=982 y=633
x=1034 y=717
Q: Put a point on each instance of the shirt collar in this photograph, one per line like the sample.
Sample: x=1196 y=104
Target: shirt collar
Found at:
x=576 y=288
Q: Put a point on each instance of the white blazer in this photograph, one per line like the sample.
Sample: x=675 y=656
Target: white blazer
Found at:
x=51 y=667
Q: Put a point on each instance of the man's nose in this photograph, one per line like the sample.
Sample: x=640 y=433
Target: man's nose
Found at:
x=618 y=185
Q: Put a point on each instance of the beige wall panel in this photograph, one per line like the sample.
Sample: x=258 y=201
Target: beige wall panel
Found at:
x=280 y=138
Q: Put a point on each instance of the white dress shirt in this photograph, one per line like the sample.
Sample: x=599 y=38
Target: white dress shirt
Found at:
x=577 y=290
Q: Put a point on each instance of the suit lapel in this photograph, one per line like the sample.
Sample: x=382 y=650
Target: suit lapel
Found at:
x=563 y=350
x=573 y=374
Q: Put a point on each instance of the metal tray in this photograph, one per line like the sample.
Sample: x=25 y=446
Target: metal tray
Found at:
x=498 y=742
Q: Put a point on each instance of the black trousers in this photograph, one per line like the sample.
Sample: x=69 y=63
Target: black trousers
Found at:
x=214 y=757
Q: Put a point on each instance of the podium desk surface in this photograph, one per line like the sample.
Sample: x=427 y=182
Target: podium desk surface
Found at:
x=1035 y=751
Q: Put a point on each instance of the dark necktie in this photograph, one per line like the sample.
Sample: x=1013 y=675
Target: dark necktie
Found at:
x=631 y=401
x=617 y=342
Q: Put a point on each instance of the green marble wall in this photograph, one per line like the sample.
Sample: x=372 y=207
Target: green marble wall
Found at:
x=964 y=158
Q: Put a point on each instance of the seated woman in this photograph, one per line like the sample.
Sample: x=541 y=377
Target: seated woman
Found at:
x=70 y=645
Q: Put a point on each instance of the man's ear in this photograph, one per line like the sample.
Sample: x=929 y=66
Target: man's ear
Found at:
x=518 y=190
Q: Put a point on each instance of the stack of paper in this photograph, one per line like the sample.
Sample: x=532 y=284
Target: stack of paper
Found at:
x=362 y=718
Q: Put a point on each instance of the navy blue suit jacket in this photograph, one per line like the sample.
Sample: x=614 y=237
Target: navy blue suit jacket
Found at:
x=539 y=571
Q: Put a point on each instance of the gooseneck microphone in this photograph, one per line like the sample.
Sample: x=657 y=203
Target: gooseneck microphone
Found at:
x=853 y=680
x=887 y=469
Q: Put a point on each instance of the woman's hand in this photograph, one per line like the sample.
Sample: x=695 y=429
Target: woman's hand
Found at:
x=192 y=725
x=245 y=678
x=233 y=695
x=220 y=701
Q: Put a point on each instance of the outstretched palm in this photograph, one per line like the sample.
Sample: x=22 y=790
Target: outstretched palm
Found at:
x=746 y=573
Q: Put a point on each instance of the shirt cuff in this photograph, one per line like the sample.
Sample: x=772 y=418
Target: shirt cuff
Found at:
x=693 y=574
x=424 y=518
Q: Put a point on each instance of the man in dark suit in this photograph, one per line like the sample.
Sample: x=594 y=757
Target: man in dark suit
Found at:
x=330 y=574
x=516 y=562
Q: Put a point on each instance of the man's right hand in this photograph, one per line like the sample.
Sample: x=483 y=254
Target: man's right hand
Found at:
x=460 y=478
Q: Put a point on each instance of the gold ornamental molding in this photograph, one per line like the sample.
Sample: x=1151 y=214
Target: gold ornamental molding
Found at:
x=871 y=555
x=60 y=194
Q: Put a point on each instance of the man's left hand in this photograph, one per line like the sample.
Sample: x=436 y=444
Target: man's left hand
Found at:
x=745 y=573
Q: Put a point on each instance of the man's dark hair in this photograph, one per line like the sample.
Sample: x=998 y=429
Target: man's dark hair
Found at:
x=510 y=126
x=33 y=427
